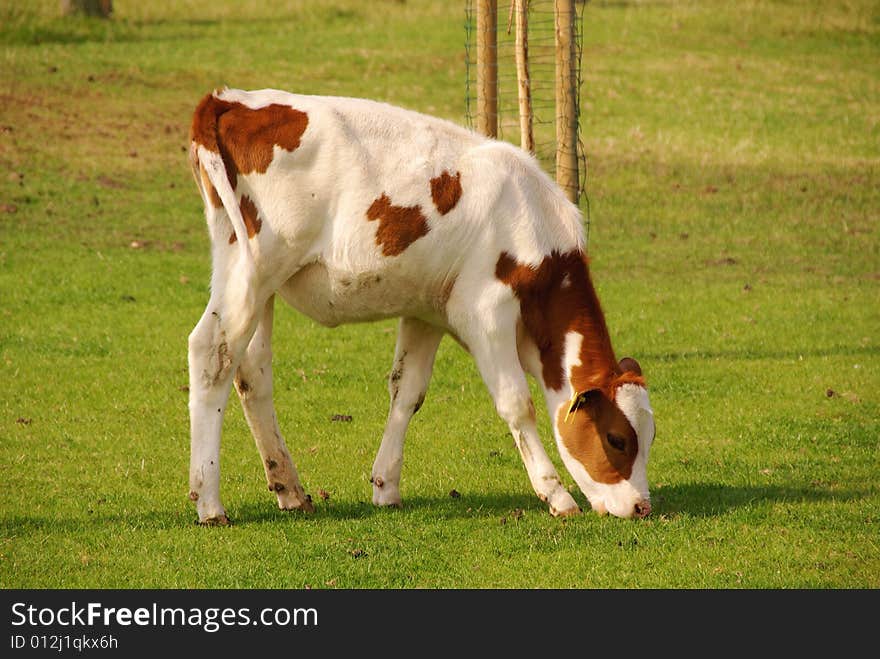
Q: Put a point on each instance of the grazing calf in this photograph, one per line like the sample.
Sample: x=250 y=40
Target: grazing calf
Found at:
x=353 y=210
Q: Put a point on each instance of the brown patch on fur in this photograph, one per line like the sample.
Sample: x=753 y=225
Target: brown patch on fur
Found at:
x=558 y=297
x=585 y=435
x=399 y=226
x=244 y=137
x=249 y=136
x=251 y=218
x=446 y=191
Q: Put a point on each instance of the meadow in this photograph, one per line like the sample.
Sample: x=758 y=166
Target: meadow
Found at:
x=733 y=182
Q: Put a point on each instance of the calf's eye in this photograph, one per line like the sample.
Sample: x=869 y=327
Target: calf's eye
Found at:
x=616 y=442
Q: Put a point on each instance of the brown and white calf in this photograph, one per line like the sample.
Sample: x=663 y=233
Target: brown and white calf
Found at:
x=353 y=210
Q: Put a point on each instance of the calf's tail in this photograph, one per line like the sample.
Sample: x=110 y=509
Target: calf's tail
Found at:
x=205 y=155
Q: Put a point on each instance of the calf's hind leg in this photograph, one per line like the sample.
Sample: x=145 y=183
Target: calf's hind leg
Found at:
x=253 y=381
x=417 y=344
x=215 y=348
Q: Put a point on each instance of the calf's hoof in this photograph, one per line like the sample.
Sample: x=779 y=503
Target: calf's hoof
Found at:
x=568 y=512
x=387 y=499
x=293 y=498
x=216 y=520
x=385 y=494
x=305 y=506
x=390 y=504
x=563 y=505
x=211 y=511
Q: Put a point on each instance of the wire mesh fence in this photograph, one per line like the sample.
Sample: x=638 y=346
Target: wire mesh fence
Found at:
x=542 y=77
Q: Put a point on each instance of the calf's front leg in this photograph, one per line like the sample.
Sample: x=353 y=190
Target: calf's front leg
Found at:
x=492 y=343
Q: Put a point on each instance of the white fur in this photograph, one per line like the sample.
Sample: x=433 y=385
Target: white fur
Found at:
x=632 y=400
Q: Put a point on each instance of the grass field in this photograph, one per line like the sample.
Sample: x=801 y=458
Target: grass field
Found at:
x=734 y=187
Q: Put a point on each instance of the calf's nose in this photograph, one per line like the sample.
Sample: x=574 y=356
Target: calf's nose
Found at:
x=642 y=509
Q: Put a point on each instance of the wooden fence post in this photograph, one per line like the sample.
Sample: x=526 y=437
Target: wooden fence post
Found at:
x=524 y=83
x=566 y=101
x=487 y=67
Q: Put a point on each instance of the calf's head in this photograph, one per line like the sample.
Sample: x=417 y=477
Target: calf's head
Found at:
x=604 y=435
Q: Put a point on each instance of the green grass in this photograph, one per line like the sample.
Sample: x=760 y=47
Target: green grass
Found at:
x=734 y=186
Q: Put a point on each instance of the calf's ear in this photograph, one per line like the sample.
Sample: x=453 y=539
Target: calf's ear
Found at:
x=630 y=365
